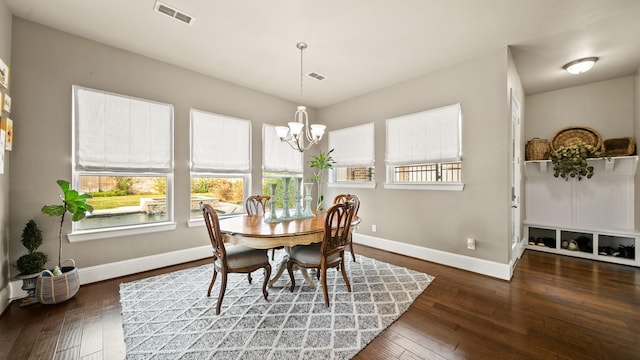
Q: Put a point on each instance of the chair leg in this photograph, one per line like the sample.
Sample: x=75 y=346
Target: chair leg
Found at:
x=344 y=275
x=353 y=255
x=267 y=276
x=213 y=280
x=223 y=287
x=324 y=286
x=249 y=277
x=290 y=270
x=273 y=254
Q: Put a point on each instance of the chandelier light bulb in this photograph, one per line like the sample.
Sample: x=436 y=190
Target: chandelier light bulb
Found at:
x=299 y=131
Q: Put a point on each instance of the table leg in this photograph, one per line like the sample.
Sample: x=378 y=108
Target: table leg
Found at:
x=282 y=266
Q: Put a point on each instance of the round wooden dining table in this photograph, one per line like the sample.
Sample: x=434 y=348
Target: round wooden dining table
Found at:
x=254 y=232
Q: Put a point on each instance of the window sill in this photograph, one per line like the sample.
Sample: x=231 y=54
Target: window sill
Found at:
x=197 y=222
x=353 y=184
x=95 y=234
x=431 y=186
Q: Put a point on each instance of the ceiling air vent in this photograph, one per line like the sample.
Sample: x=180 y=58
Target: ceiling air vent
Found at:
x=173 y=12
x=316 y=76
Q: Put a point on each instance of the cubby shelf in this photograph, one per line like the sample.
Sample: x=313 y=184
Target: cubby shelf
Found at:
x=592 y=218
x=616 y=247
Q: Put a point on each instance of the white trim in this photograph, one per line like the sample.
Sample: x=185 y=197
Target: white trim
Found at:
x=433 y=186
x=481 y=266
x=353 y=184
x=5 y=297
x=126 y=267
x=133 y=266
x=95 y=234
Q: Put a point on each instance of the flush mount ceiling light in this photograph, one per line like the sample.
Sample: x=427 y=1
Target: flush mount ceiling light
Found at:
x=293 y=135
x=581 y=65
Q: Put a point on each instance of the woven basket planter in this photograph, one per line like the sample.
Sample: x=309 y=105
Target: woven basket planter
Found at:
x=577 y=135
x=54 y=289
x=537 y=149
x=620 y=146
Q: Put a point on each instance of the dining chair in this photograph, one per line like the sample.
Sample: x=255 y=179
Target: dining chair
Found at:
x=328 y=253
x=350 y=198
x=236 y=259
x=257 y=205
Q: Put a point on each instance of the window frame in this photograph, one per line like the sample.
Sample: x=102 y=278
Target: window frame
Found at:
x=218 y=173
x=246 y=188
x=78 y=234
x=364 y=157
x=423 y=118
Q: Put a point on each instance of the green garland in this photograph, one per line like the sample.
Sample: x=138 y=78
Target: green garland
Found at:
x=571 y=161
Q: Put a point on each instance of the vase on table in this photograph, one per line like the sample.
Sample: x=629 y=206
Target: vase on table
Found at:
x=273 y=216
x=285 y=200
x=307 y=199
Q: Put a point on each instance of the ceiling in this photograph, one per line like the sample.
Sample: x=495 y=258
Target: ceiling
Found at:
x=358 y=45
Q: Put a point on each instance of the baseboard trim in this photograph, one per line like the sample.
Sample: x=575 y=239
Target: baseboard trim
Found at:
x=480 y=266
x=5 y=298
x=126 y=267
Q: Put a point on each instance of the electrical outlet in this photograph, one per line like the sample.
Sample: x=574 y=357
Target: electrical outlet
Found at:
x=374 y=228
x=471 y=243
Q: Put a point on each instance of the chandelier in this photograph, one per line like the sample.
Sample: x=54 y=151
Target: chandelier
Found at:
x=293 y=134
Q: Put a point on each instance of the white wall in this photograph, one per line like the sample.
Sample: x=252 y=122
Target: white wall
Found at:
x=605 y=106
x=47 y=63
x=442 y=220
x=5 y=259
x=636 y=131
x=610 y=107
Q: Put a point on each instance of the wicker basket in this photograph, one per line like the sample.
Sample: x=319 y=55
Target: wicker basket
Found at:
x=537 y=149
x=576 y=135
x=620 y=146
x=54 y=289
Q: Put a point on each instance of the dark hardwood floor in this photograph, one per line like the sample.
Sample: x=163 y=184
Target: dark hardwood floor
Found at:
x=555 y=307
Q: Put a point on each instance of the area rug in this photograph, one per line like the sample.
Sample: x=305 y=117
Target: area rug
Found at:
x=170 y=317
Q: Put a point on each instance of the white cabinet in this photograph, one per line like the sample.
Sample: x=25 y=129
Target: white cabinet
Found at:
x=592 y=218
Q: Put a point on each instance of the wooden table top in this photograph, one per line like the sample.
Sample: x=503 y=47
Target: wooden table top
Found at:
x=255 y=226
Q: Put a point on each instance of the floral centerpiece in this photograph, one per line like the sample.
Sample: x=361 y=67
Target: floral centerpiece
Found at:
x=571 y=161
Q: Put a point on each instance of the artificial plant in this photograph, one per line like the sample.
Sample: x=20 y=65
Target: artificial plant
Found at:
x=31 y=239
x=320 y=162
x=73 y=202
x=571 y=161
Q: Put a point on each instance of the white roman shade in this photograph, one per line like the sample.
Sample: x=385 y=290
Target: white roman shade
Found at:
x=118 y=133
x=353 y=146
x=426 y=137
x=278 y=156
x=219 y=143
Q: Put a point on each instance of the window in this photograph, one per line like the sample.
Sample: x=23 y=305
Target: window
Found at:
x=424 y=150
x=220 y=162
x=279 y=160
x=354 y=154
x=123 y=157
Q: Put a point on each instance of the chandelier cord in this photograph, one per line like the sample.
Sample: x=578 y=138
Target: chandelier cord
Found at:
x=301 y=47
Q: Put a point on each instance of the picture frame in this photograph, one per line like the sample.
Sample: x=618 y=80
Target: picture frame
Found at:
x=7 y=127
x=4 y=74
x=6 y=102
x=2 y=142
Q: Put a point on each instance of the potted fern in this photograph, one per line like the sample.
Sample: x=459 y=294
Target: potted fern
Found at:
x=62 y=283
x=320 y=162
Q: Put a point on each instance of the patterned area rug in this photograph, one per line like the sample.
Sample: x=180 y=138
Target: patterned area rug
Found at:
x=170 y=317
